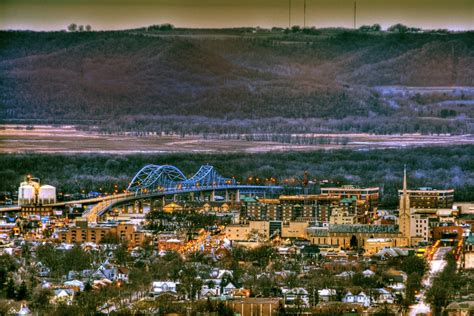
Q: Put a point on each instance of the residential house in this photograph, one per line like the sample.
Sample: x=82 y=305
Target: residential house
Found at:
x=98 y=284
x=161 y=287
x=106 y=271
x=122 y=274
x=62 y=296
x=390 y=252
x=345 y=274
x=75 y=284
x=295 y=297
x=326 y=295
x=465 y=308
x=360 y=298
x=43 y=271
x=382 y=296
x=215 y=287
x=396 y=279
x=368 y=273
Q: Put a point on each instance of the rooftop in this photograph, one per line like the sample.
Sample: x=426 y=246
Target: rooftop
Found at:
x=363 y=228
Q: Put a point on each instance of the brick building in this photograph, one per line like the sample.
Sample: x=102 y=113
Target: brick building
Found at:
x=120 y=231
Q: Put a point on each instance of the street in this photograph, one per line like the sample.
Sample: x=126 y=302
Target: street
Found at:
x=436 y=265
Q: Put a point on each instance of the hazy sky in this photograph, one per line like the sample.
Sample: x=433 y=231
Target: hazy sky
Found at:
x=120 y=14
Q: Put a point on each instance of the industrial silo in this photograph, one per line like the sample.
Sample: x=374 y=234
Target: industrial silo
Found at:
x=47 y=194
x=26 y=194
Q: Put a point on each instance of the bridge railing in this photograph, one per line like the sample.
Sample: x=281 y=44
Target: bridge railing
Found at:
x=185 y=188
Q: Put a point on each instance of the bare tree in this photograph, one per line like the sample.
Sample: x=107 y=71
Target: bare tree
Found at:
x=72 y=27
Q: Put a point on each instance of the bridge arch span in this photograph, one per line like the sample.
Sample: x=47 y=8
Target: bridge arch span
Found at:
x=167 y=177
x=153 y=176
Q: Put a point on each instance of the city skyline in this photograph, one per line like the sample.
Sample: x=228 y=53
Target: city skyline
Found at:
x=108 y=15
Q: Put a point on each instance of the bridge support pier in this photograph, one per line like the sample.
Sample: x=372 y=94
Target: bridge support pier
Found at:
x=237 y=196
x=175 y=197
x=226 y=195
x=163 y=201
x=212 y=198
x=138 y=207
x=191 y=196
x=201 y=197
x=153 y=204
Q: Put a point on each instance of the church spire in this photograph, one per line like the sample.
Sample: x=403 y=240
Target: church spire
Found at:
x=404 y=210
x=405 y=179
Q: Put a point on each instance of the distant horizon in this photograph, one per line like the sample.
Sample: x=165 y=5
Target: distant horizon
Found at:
x=108 y=15
x=177 y=27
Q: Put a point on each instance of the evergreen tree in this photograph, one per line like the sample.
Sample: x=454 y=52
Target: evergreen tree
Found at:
x=22 y=292
x=10 y=289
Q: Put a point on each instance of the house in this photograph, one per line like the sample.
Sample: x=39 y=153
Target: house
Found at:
x=345 y=274
x=218 y=283
x=210 y=291
x=326 y=295
x=75 y=284
x=215 y=287
x=368 y=273
x=98 y=284
x=105 y=271
x=62 y=296
x=382 y=296
x=296 y=296
x=122 y=274
x=396 y=279
x=43 y=271
x=226 y=290
x=360 y=298
x=24 y=310
x=137 y=252
x=220 y=273
x=161 y=287
x=84 y=274
x=390 y=252
x=239 y=293
x=465 y=308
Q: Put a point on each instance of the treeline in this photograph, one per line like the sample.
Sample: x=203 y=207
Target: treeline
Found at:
x=283 y=138
x=437 y=167
x=199 y=125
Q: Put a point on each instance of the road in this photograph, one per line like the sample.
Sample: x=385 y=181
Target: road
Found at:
x=111 y=306
x=436 y=265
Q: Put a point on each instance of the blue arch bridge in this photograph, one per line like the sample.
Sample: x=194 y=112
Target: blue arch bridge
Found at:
x=155 y=182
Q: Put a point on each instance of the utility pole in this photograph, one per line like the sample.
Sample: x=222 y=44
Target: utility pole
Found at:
x=355 y=13
x=289 y=14
x=304 y=14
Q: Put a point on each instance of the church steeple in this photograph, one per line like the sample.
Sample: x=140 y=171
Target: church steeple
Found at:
x=404 y=179
x=404 y=210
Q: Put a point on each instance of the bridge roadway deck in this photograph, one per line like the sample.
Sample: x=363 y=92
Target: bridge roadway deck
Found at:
x=185 y=190
x=130 y=196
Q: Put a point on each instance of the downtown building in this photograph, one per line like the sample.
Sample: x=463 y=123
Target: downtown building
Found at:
x=121 y=232
x=332 y=207
x=428 y=198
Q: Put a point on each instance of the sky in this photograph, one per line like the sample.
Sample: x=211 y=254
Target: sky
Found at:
x=44 y=15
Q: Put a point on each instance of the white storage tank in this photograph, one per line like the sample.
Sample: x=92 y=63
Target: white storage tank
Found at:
x=26 y=194
x=47 y=194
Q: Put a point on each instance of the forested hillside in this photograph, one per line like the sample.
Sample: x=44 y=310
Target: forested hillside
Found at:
x=438 y=167
x=137 y=78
